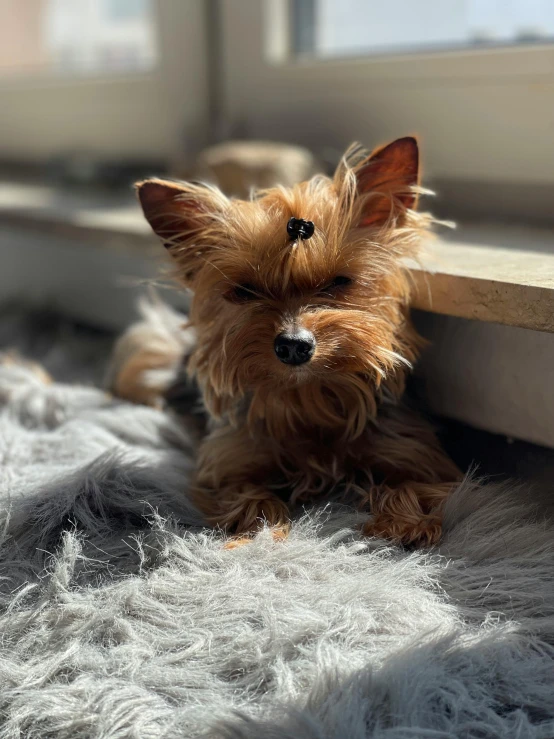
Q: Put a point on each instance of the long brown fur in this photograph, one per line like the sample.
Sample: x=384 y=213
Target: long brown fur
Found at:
x=283 y=434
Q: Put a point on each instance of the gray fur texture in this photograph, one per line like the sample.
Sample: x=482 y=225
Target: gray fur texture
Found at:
x=122 y=617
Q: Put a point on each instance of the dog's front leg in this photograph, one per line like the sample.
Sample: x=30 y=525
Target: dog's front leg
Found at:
x=417 y=477
x=231 y=483
x=410 y=513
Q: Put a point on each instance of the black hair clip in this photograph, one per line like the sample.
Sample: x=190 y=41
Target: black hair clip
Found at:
x=298 y=228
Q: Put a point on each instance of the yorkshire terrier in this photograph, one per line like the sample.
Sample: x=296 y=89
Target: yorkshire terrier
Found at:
x=303 y=344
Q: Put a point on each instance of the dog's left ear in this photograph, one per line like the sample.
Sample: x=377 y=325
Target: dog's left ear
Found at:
x=385 y=181
x=181 y=214
x=174 y=210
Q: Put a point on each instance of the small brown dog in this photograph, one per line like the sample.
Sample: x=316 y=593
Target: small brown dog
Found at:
x=303 y=344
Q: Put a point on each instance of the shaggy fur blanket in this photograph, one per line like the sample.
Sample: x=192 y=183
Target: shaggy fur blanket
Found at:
x=121 y=616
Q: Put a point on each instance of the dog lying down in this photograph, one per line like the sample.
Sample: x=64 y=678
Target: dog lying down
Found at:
x=300 y=341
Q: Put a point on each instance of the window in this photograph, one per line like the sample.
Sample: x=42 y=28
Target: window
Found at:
x=125 y=10
x=483 y=111
x=75 y=37
x=112 y=79
x=335 y=28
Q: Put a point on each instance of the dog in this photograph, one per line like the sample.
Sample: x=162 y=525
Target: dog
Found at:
x=303 y=345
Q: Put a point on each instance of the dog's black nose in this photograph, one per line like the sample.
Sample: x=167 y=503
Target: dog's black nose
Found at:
x=295 y=347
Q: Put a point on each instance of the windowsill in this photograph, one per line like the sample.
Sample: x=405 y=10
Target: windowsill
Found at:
x=502 y=274
x=78 y=212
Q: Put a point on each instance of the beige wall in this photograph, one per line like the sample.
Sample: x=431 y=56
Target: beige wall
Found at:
x=497 y=378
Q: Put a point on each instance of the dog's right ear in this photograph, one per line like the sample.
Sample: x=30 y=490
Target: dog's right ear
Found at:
x=181 y=214
x=386 y=180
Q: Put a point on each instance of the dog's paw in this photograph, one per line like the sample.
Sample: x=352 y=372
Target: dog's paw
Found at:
x=278 y=534
x=423 y=532
x=243 y=508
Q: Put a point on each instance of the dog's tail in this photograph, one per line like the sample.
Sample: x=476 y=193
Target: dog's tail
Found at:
x=148 y=358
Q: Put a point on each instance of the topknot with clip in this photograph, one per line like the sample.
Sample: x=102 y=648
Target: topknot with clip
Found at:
x=298 y=228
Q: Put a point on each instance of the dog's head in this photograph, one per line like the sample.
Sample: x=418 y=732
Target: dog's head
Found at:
x=298 y=287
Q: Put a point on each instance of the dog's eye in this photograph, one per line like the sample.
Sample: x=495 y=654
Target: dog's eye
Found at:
x=338 y=282
x=244 y=292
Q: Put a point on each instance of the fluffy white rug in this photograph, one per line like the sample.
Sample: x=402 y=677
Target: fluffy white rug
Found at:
x=122 y=617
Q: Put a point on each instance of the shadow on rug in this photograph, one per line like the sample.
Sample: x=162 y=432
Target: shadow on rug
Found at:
x=122 y=617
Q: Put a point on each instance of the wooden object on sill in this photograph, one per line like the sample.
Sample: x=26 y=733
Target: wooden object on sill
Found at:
x=238 y=166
